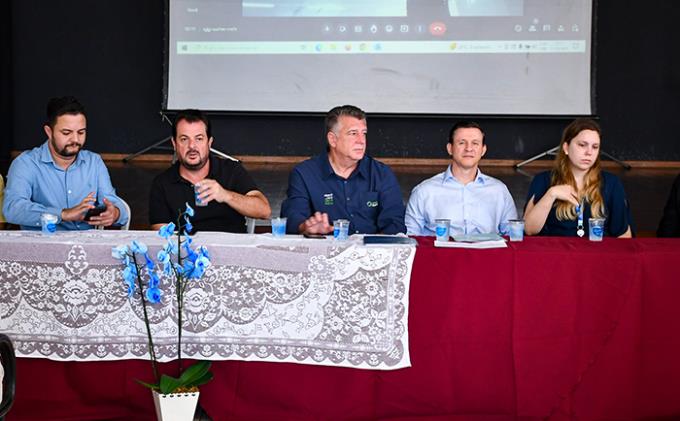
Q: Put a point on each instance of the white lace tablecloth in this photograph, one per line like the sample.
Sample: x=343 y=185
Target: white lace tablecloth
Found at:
x=263 y=299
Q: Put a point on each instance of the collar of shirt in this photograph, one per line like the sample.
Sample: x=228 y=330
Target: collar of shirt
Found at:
x=46 y=157
x=480 y=178
x=327 y=169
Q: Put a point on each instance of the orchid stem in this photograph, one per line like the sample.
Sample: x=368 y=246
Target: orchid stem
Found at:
x=152 y=351
x=178 y=292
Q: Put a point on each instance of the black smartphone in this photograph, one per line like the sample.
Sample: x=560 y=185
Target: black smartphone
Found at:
x=94 y=211
x=315 y=236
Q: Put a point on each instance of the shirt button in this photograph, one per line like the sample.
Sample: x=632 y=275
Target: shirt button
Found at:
x=348 y=199
x=69 y=192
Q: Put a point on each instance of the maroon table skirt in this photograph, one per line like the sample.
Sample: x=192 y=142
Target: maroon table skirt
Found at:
x=549 y=328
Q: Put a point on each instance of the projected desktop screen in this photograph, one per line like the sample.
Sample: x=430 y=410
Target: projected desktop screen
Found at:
x=514 y=57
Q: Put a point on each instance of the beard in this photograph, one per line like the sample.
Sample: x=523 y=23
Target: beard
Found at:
x=65 y=151
x=196 y=166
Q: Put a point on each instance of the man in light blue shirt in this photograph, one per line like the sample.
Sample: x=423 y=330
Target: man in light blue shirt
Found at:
x=474 y=202
x=61 y=179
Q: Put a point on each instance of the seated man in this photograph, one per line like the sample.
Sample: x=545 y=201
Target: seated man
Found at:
x=669 y=226
x=344 y=183
x=475 y=203
x=226 y=187
x=61 y=179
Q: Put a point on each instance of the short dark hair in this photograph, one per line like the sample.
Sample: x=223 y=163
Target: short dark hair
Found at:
x=57 y=107
x=349 y=110
x=191 y=116
x=465 y=124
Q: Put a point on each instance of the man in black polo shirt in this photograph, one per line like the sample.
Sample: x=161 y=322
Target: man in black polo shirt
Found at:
x=226 y=187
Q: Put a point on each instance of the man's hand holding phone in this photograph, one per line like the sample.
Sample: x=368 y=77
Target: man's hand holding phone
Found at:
x=95 y=211
x=78 y=212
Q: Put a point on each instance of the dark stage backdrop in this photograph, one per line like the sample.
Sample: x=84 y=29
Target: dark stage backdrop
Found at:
x=5 y=84
x=110 y=55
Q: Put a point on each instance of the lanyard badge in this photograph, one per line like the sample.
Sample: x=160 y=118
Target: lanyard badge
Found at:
x=579 y=227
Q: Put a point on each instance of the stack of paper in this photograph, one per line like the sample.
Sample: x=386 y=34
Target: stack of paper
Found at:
x=474 y=241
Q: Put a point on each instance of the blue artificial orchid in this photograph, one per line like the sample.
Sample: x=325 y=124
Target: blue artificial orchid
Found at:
x=153 y=295
x=171 y=247
x=176 y=258
x=189 y=210
x=130 y=273
x=204 y=252
x=166 y=231
x=138 y=247
x=154 y=280
x=149 y=263
x=188 y=267
x=187 y=226
x=179 y=269
x=163 y=256
x=200 y=265
x=191 y=255
x=130 y=288
x=119 y=252
x=164 y=259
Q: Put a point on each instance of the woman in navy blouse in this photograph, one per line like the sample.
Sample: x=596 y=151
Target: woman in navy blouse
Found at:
x=561 y=201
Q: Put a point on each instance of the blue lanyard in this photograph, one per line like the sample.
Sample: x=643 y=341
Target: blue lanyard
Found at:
x=579 y=225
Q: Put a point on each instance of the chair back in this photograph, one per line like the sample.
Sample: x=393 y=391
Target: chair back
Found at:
x=8 y=361
x=126 y=226
x=126 y=207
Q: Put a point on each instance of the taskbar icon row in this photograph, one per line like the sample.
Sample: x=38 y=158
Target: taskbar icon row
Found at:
x=433 y=28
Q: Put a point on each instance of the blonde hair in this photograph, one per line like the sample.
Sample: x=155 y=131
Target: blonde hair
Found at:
x=591 y=181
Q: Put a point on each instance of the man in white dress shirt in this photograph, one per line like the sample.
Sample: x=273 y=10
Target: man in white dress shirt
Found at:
x=474 y=202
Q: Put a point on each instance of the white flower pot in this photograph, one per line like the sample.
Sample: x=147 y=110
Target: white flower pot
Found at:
x=175 y=406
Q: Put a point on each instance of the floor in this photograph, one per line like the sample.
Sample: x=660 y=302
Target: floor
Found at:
x=647 y=189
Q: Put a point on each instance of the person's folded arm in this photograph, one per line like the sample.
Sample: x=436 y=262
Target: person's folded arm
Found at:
x=242 y=195
x=536 y=212
x=253 y=204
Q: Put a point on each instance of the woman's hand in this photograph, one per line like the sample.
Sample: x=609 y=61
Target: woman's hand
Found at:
x=564 y=192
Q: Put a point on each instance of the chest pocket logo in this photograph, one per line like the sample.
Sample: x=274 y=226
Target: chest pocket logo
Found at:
x=372 y=203
x=328 y=199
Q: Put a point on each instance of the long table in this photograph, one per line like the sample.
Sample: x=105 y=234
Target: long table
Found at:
x=549 y=328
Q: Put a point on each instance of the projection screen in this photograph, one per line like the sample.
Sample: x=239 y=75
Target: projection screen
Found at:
x=497 y=57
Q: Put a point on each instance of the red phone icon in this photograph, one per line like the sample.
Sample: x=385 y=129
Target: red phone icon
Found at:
x=437 y=28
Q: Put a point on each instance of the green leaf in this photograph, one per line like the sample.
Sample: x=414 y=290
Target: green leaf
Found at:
x=169 y=384
x=202 y=380
x=151 y=386
x=194 y=372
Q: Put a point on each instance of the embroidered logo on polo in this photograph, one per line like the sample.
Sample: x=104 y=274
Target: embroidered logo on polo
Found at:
x=328 y=199
x=372 y=203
